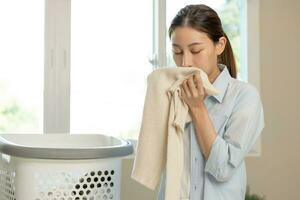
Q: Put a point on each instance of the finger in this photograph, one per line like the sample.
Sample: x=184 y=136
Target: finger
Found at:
x=205 y=94
x=192 y=86
x=182 y=93
x=198 y=79
x=186 y=89
x=199 y=84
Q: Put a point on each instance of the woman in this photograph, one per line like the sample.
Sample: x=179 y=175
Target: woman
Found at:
x=224 y=127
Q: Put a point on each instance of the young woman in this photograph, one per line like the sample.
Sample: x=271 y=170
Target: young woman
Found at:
x=224 y=127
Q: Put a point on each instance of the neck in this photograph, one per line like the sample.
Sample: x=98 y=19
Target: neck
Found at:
x=213 y=76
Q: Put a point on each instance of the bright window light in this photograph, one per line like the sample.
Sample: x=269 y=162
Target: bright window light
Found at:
x=21 y=66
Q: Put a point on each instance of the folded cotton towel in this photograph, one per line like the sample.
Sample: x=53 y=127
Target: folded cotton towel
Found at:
x=160 y=141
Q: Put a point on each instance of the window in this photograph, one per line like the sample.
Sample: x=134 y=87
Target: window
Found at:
x=21 y=66
x=110 y=45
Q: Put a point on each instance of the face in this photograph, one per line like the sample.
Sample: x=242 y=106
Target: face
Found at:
x=192 y=48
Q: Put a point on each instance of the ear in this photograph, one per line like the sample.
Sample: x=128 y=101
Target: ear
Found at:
x=220 y=46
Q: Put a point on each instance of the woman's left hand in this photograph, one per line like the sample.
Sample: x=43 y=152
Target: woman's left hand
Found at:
x=193 y=92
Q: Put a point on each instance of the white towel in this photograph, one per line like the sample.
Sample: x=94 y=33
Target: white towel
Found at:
x=160 y=141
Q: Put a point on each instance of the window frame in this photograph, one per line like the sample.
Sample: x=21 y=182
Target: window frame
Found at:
x=57 y=66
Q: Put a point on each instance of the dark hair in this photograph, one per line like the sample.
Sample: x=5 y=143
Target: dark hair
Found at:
x=205 y=19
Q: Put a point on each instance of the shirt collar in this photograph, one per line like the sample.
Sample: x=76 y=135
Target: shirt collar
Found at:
x=221 y=82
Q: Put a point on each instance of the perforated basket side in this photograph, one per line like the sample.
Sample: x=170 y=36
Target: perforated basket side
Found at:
x=92 y=185
x=7 y=179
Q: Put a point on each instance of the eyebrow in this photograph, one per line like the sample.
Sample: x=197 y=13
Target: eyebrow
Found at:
x=188 y=45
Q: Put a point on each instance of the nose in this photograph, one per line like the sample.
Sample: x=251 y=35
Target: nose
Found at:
x=186 y=60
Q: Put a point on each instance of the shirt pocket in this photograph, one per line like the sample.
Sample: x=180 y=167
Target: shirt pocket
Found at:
x=219 y=121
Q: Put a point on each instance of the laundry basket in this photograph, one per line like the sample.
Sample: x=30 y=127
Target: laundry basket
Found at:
x=61 y=166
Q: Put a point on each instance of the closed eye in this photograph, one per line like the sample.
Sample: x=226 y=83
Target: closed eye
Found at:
x=177 y=53
x=195 y=52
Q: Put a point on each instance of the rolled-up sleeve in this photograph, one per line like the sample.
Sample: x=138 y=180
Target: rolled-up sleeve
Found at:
x=243 y=128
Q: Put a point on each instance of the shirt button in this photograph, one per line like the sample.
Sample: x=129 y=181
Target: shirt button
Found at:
x=195 y=159
x=195 y=187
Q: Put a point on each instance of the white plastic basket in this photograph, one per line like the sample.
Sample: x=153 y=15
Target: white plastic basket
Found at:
x=61 y=166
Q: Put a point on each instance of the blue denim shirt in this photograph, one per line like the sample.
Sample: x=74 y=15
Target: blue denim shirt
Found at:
x=238 y=118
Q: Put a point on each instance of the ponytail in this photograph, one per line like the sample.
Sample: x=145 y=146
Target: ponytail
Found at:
x=227 y=58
